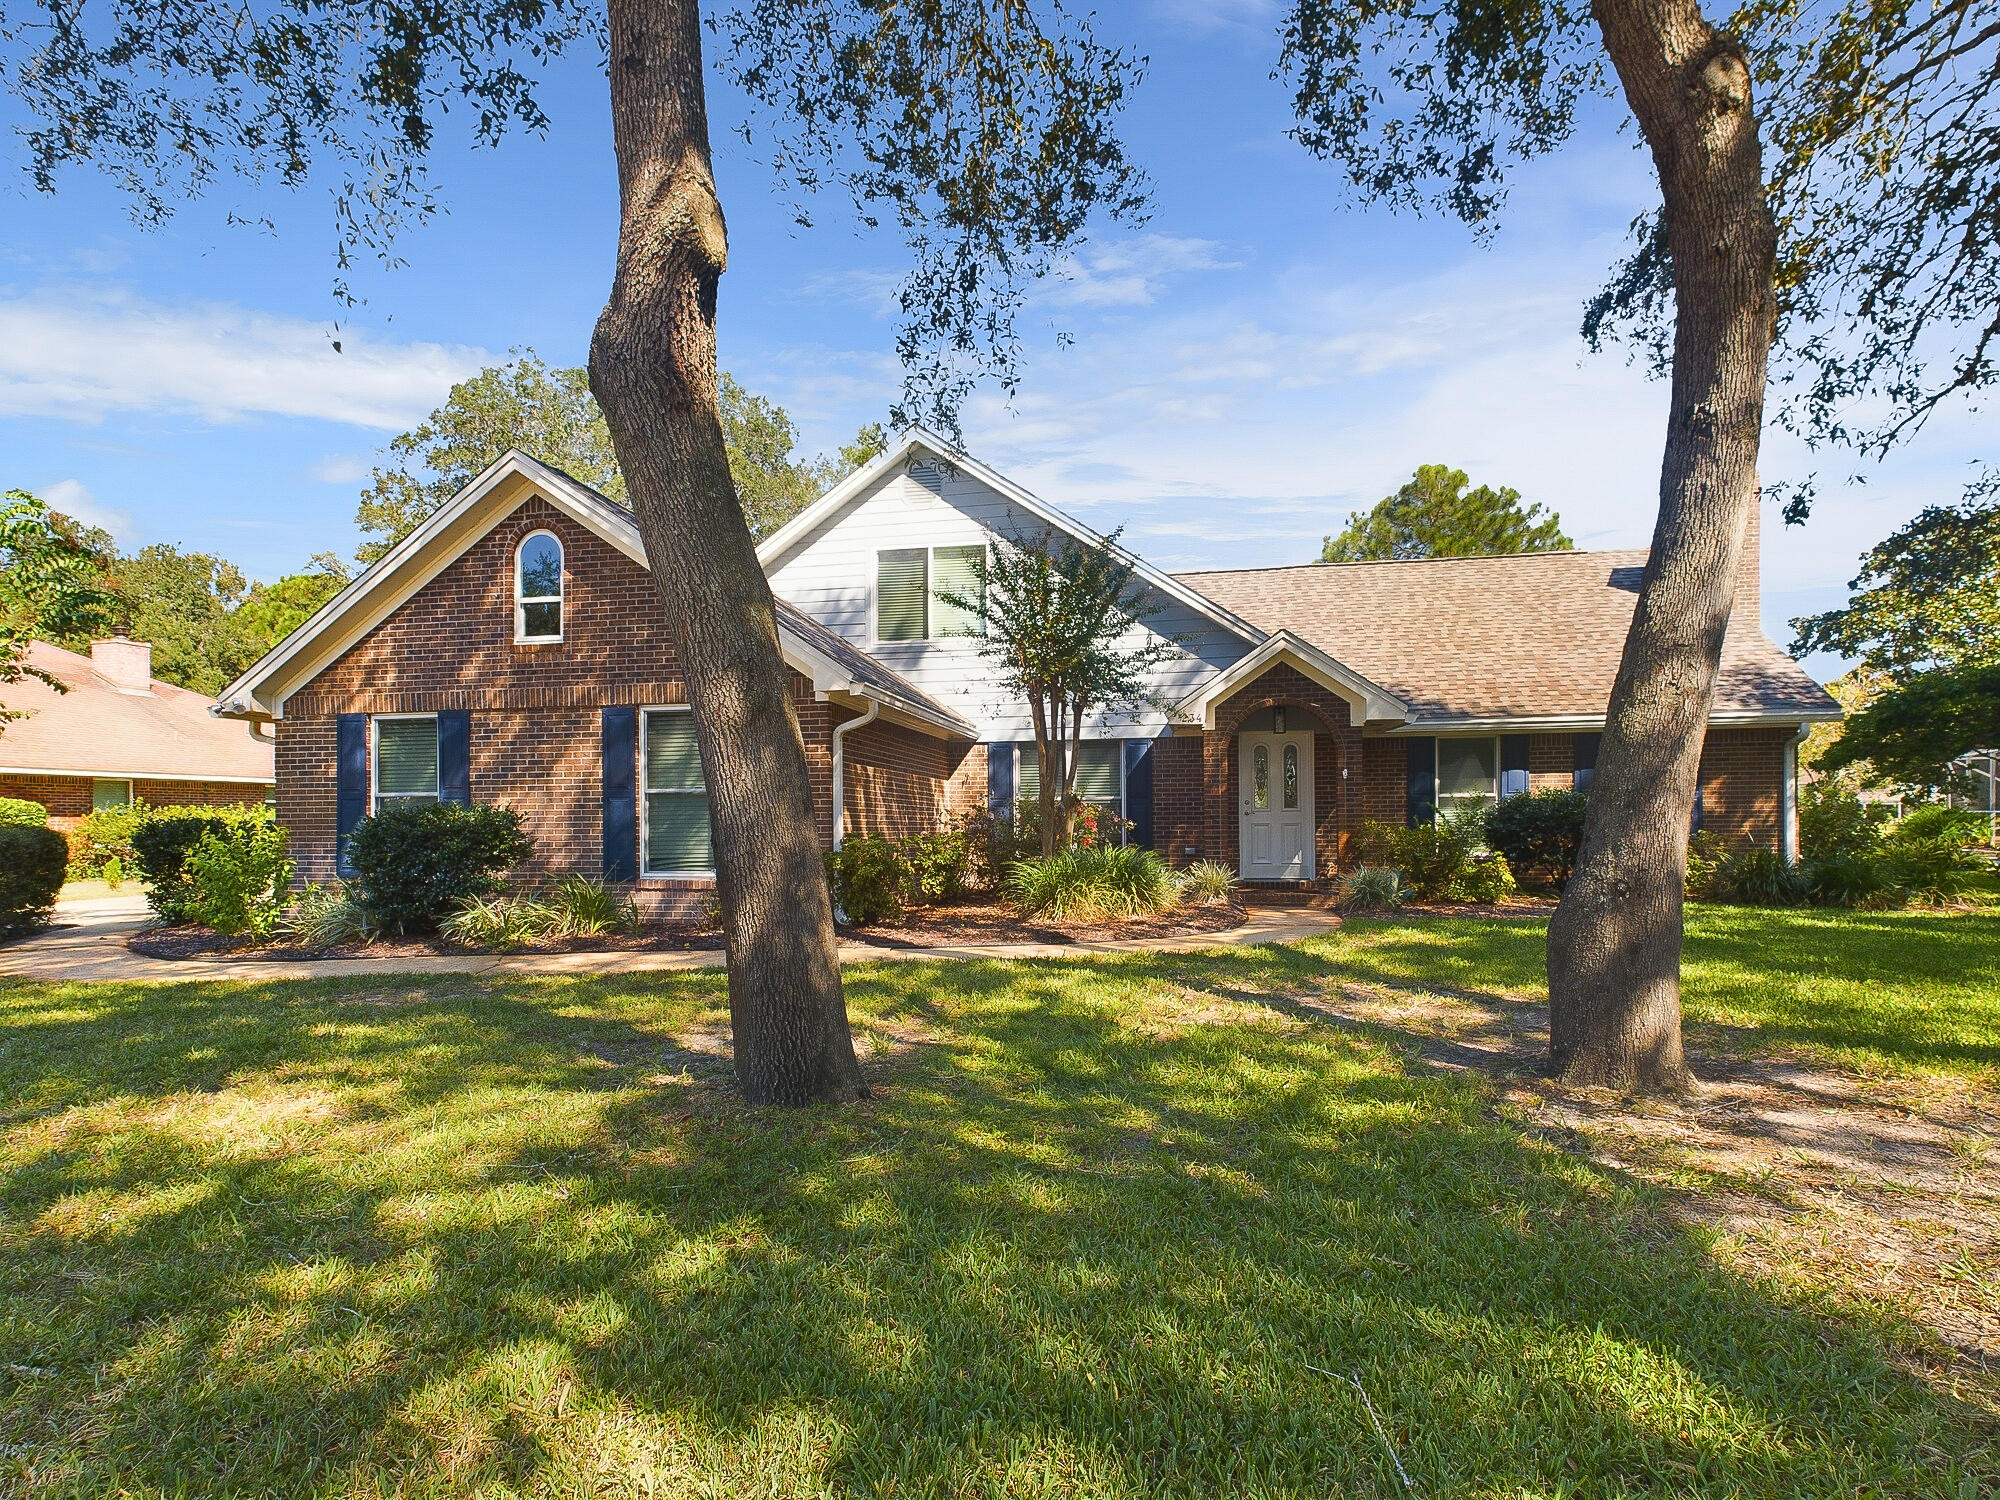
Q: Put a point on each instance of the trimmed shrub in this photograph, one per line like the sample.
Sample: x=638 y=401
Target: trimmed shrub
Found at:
x=1432 y=858
x=238 y=878
x=1371 y=890
x=940 y=863
x=33 y=862
x=417 y=862
x=1487 y=879
x=1093 y=885
x=324 y=916
x=100 y=844
x=164 y=839
x=18 y=812
x=1540 y=833
x=1206 y=883
x=867 y=878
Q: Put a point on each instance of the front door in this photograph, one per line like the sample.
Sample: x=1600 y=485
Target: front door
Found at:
x=1275 y=778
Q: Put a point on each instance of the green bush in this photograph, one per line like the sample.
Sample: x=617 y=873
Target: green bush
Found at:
x=16 y=812
x=1706 y=852
x=1958 y=825
x=994 y=844
x=1487 y=879
x=324 y=916
x=1850 y=879
x=1432 y=858
x=164 y=839
x=1758 y=876
x=1540 y=833
x=868 y=878
x=239 y=877
x=1834 y=822
x=1929 y=871
x=1371 y=890
x=1206 y=883
x=33 y=862
x=940 y=863
x=417 y=862
x=501 y=921
x=100 y=843
x=585 y=907
x=1094 y=885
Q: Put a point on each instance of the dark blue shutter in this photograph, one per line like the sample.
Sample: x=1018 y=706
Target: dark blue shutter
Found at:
x=350 y=797
x=1583 y=760
x=1423 y=780
x=621 y=800
x=1139 y=792
x=1513 y=764
x=1000 y=779
x=454 y=755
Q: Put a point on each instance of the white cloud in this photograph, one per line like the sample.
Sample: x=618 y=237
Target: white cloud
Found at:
x=343 y=468
x=75 y=501
x=1130 y=272
x=84 y=356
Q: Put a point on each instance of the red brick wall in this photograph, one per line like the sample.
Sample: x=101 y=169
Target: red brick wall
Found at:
x=1551 y=762
x=1743 y=784
x=1337 y=745
x=1385 y=780
x=68 y=797
x=1179 y=806
x=899 y=781
x=536 y=726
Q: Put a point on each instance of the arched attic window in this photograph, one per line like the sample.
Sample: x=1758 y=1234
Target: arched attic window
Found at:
x=538 y=588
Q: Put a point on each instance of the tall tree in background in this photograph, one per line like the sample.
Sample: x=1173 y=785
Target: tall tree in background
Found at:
x=1874 y=232
x=985 y=134
x=1435 y=515
x=50 y=587
x=549 y=412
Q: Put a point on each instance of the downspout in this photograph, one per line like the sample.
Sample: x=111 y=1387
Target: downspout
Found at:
x=840 y=766
x=1788 y=827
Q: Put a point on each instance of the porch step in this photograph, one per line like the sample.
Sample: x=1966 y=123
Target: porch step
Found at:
x=1267 y=893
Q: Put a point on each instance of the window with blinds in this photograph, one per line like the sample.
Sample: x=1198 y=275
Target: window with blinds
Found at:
x=902 y=594
x=674 y=839
x=1099 y=776
x=1468 y=772
x=406 y=759
x=958 y=573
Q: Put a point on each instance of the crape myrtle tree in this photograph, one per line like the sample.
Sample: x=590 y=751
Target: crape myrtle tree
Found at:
x=1829 y=176
x=1059 y=617
x=983 y=134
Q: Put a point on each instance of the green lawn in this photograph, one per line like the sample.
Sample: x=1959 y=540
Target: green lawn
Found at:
x=1100 y=1233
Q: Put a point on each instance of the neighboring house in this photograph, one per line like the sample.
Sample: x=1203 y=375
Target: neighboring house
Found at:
x=117 y=736
x=511 y=650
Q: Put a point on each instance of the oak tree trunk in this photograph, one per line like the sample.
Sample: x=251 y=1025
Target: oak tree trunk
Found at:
x=652 y=369
x=1615 y=945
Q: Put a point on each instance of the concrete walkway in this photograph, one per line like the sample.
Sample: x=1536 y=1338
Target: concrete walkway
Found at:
x=88 y=945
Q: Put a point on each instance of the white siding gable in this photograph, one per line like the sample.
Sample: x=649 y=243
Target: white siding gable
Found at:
x=829 y=573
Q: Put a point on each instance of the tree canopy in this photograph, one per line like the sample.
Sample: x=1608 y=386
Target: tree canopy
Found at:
x=1911 y=733
x=1435 y=515
x=548 y=412
x=51 y=585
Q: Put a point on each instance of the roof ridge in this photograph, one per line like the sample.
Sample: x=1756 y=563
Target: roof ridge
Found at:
x=1404 y=562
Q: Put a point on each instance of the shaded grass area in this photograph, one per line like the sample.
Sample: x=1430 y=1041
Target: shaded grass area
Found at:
x=1090 y=1239
x=1891 y=991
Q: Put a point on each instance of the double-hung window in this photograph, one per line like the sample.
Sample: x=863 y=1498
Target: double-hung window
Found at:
x=406 y=759
x=673 y=836
x=1468 y=773
x=1100 y=777
x=928 y=593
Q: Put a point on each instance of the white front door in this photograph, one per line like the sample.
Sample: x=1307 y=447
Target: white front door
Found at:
x=1275 y=779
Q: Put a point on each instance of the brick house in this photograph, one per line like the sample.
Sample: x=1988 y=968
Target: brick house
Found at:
x=510 y=650
x=115 y=736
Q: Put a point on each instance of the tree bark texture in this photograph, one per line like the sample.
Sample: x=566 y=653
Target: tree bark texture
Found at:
x=652 y=369
x=1614 y=946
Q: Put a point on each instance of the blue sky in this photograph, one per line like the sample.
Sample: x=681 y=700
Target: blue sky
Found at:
x=1254 y=363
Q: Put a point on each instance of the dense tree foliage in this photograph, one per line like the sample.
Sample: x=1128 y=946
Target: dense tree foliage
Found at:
x=1911 y=733
x=51 y=586
x=1436 y=515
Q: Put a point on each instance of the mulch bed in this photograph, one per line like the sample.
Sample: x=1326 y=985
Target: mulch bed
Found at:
x=983 y=922
x=192 y=941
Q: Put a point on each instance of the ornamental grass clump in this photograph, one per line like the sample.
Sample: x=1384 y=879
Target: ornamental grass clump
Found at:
x=1093 y=885
x=1369 y=889
x=325 y=916
x=1206 y=883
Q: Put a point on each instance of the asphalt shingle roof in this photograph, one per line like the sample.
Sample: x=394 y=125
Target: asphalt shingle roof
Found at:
x=1533 y=636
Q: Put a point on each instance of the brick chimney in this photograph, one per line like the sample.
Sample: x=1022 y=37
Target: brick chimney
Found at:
x=124 y=663
x=1749 y=607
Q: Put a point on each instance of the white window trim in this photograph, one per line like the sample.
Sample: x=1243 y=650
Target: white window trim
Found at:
x=375 y=722
x=1437 y=771
x=124 y=781
x=559 y=598
x=930 y=637
x=645 y=822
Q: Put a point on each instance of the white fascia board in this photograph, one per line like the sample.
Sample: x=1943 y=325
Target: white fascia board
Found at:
x=53 y=772
x=1367 y=702
x=918 y=439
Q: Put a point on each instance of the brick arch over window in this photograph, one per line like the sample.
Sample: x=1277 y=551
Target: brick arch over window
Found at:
x=1336 y=747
